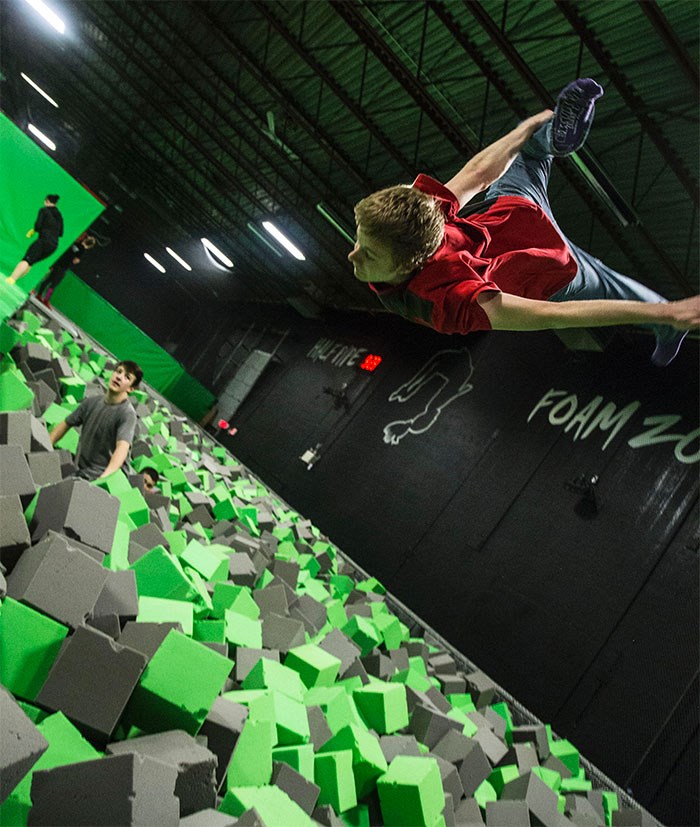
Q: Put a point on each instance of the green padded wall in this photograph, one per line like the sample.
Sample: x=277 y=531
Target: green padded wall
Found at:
x=99 y=319
x=28 y=175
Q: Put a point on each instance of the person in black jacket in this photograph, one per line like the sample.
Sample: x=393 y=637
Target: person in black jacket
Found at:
x=49 y=226
x=57 y=271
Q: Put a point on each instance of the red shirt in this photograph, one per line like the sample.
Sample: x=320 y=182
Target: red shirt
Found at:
x=507 y=245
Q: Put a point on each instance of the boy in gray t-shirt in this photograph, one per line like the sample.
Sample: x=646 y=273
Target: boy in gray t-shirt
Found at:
x=108 y=424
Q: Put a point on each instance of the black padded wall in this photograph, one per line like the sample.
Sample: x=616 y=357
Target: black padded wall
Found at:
x=457 y=474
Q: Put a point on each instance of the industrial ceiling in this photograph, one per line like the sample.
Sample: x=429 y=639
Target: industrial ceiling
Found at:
x=214 y=116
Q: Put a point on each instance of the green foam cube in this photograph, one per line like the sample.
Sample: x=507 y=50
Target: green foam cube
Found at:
x=210 y=563
x=315 y=666
x=236 y=598
x=268 y=674
x=272 y=804
x=160 y=574
x=242 y=630
x=163 y=700
x=368 y=761
x=251 y=762
x=29 y=644
x=333 y=774
x=163 y=610
x=300 y=757
x=66 y=746
x=410 y=792
x=383 y=706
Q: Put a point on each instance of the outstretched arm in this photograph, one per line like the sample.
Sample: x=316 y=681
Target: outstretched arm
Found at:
x=492 y=162
x=58 y=432
x=508 y=312
x=121 y=452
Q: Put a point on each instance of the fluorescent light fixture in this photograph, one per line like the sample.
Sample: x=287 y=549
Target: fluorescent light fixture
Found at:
x=283 y=240
x=213 y=250
x=40 y=135
x=256 y=232
x=48 y=14
x=39 y=89
x=335 y=222
x=177 y=258
x=154 y=262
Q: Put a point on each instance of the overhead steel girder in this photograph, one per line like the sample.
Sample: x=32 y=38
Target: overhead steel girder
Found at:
x=290 y=106
x=206 y=197
x=221 y=168
x=673 y=43
x=357 y=111
x=631 y=98
x=506 y=47
x=351 y=15
x=316 y=184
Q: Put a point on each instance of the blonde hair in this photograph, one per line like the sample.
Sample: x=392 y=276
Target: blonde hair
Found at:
x=409 y=221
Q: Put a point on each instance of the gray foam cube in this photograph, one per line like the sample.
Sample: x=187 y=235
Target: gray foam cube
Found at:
x=209 y=818
x=541 y=800
x=283 y=633
x=58 y=580
x=319 y=730
x=14 y=534
x=146 y=637
x=299 y=789
x=118 y=596
x=339 y=644
x=429 y=725
x=16 y=429
x=195 y=786
x=507 y=814
x=78 y=509
x=119 y=789
x=393 y=745
x=222 y=728
x=91 y=681
x=45 y=467
x=15 y=476
x=246 y=658
x=21 y=744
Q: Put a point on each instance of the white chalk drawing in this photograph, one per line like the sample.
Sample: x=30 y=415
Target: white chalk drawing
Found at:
x=451 y=370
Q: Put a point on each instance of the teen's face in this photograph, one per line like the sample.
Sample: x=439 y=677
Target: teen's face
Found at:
x=120 y=381
x=372 y=259
x=148 y=482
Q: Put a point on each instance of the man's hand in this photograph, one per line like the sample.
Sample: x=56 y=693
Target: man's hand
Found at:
x=58 y=432
x=121 y=452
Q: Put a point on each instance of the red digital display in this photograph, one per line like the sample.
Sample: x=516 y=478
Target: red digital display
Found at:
x=370 y=362
x=223 y=424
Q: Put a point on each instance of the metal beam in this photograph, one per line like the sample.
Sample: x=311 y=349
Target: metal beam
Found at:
x=630 y=97
x=673 y=43
x=350 y=13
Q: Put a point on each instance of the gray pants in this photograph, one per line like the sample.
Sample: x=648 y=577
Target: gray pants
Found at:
x=528 y=177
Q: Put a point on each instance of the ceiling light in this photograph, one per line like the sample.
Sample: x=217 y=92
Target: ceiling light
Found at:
x=283 y=240
x=40 y=135
x=154 y=262
x=213 y=250
x=262 y=238
x=335 y=222
x=39 y=89
x=48 y=14
x=178 y=259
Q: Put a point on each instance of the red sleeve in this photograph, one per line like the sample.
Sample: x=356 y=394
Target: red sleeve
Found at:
x=439 y=191
x=453 y=288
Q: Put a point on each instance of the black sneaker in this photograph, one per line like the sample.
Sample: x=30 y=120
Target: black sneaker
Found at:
x=573 y=115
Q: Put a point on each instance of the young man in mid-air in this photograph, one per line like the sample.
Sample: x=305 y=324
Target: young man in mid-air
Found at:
x=506 y=265
x=108 y=424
